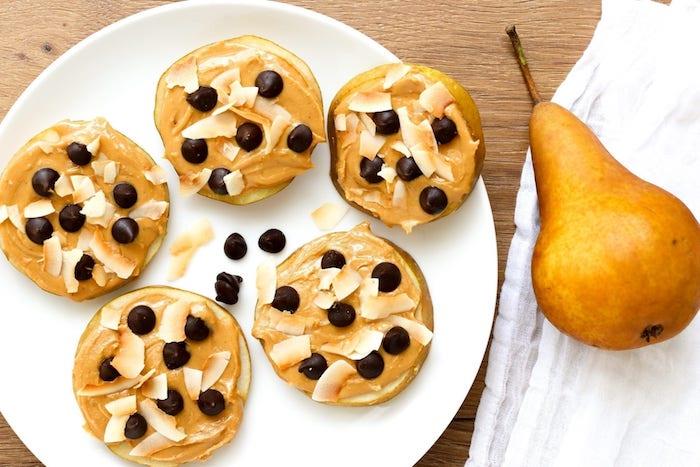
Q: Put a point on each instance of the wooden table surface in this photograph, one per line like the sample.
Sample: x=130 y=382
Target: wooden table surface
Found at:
x=464 y=38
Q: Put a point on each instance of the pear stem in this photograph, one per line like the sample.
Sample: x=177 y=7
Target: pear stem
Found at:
x=522 y=61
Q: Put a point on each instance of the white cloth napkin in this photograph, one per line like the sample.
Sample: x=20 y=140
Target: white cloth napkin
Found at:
x=550 y=400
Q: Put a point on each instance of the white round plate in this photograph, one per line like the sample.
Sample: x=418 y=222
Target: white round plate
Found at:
x=114 y=73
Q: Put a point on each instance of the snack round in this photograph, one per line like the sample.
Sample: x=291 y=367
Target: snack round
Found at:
x=123 y=367
x=239 y=119
x=347 y=318
x=406 y=144
x=83 y=209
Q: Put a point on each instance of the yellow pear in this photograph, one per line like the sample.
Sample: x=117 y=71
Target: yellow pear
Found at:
x=617 y=260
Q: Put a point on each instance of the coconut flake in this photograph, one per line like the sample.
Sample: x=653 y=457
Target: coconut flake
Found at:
x=94 y=146
x=96 y=206
x=266 y=282
x=287 y=324
x=15 y=217
x=99 y=275
x=399 y=146
x=40 y=208
x=193 y=382
x=213 y=368
x=326 y=277
x=269 y=109
x=435 y=98
x=98 y=165
x=129 y=357
x=192 y=183
x=328 y=215
x=83 y=188
x=3 y=213
x=53 y=256
x=234 y=183
x=369 y=288
x=215 y=125
x=110 y=317
x=340 y=122
x=122 y=266
x=151 y=444
x=113 y=387
x=324 y=300
x=332 y=380
x=368 y=123
x=418 y=331
x=394 y=74
x=151 y=209
x=346 y=282
x=387 y=173
x=172 y=322
x=184 y=74
x=358 y=346
x=111 y=171
x=156 y=175
x=279 y=124
x=63 y=187
x=70 y=259
x=291 y=351
x=370 y=102
x=399 y=197
x=230 y=151
x=425 y=161
x=242 y=96
x=186 y=245
x=114 y=430
x=155 y=388
x=239 y=59
x=123 y=406
x=383 y=306
x=370 y=145
x=222 y=83
x=84 y=239
x=160 y=421
x=105 y=218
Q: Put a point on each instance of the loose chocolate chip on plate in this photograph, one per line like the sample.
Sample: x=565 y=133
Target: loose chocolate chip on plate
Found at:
x=314 y=366
x=141 y=320
x=272 y=241
x=216 y=180
x=203 y=99
x=107 y=371
x=84 y=267
x=175 y=355
x=249 y=136
x=173 y=404
x=211 y=402
x=341 y=314
x=444 y=129
x=235 y=246
x=227 y=287
x=369 y=169
x=269 y=83
x=396 y=340
x=136 y=426
x=371 y=366
x=286 y=299
x=78 y=153
x=332 y=259
x=196 y=329
x=387 y=122
x=38 y=229
x=407 y=169
x=125 y=195
x=195 y=151
x=125 y=230
x=70 y=218
x=432 y=200
x=300 y=138
x=389 y=276
x=44 y=180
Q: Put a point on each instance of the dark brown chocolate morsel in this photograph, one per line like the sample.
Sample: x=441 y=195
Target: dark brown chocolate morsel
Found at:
x=389 y=276
x=371 y=366
x=269 y=83
x=235 y=246
x=70 y=218
x=38 y=230
x=432 y=200
x=211 y=402
x=387 y=122
x=175 y=355
x=332 y=259
x=341 y=314
x=444 y=129
x=44 y=180
x=407 y=169
x=195 y=151
x=78 y=153
x=125 y=230
x=369 y=169
x=141 y=320
x=272 y=241
x=173 y=404
x=83 y=268
x=203 y=99
x=216 y=180
x=286 y=299
x=300 y=138
x=396 y=340
x=249 y=136
x=314 y=366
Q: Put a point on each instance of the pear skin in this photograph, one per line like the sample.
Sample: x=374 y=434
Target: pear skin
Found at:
x=617 y=261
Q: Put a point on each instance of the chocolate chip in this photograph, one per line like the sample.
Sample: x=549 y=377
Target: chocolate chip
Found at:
x=70 y=218
x=141 y=320
x=444 y=129
x=300 y=138
x=83 y=268
x=136 y=426
x=249 y=136
x=44 y=180
x=407 y=169
x=175 y=355
x=396 y=340
x=173 y=404
x=371 y=366
x=314 y=366
x=332 y=259
x=211 y=402
x=387 y=122
x=196 y=329
x=235 y=246
x=125 y=195
x=341 y=314
x=369 y=169
x=272 y=241
x=125 y=230
x=203 y=99
x=78 y=153
x=107 y=371
x=433 y=200
x=227 y=287
x=269 y=83
x=195 y=151
x=38 y=229
x=286 y=299
x=216 y=180
x=389 y=276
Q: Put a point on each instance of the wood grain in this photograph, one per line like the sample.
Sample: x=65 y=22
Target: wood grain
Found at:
x=464 y=38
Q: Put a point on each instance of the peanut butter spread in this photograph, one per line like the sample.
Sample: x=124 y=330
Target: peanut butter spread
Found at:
x=60 y=198
x=329 y=335
x=201 y=433
x=404 y=150
x=245 y=106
